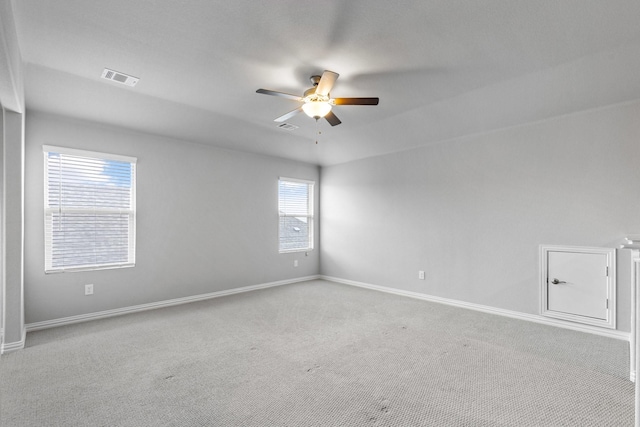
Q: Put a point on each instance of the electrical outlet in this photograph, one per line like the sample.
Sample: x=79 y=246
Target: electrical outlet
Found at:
x=88 y=289
x=421 y=275
x=295 y=262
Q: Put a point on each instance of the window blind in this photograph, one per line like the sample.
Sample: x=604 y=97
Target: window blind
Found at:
x=89 y=218
x=295 y=206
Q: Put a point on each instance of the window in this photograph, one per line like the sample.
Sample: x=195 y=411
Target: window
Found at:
x=295 y=205
x=89 y=210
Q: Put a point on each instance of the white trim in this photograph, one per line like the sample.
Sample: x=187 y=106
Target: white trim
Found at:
x=620 y=335
x=456 y=303
x=88 y=268
x=8 y=347
x=610 y=253
x=635 y=304
x=90 y=154
x=633 y=342
x=36 y=326
x=291 y=251
x=302 y=181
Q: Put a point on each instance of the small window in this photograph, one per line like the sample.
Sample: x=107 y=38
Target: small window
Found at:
x=295 y=206
x=89 y=210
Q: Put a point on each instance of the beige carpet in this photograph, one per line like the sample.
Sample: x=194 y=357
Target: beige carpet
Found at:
x=315 y=354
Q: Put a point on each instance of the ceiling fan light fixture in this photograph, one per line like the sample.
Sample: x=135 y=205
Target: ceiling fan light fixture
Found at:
x=316 y=109
x=316 y=101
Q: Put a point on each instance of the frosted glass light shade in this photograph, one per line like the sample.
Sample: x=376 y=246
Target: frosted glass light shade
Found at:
x=316 y=109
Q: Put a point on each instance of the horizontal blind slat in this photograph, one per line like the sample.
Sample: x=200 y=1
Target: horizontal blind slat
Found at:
x=89 y=211
x=296 y=215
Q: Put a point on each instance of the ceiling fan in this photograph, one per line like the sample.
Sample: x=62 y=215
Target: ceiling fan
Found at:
x=317 y=101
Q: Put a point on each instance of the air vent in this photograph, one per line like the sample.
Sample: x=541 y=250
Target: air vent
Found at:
x=119 y=77
x=287 y=126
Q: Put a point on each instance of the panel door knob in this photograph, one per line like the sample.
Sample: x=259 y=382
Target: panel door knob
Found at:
x=557 y=282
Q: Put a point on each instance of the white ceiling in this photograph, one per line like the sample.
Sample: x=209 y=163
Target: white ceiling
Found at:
x=442 y=68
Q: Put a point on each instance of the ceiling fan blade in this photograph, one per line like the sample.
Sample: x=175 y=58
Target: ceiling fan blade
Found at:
x=326 y=82
x=280 y=94
x=332 y=119
x=287 y=116
x=356 y=101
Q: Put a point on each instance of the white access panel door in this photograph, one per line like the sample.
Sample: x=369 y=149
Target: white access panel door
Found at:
x=578 y=285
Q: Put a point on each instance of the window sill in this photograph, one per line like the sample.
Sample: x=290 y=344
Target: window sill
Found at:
x=88 y=268
x=292 y=251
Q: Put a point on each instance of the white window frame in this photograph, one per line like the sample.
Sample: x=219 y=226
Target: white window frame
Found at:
x=309 y=216
x=49 y=211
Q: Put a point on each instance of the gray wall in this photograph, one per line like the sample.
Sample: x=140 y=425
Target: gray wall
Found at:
x=207 y=220
x=472 y=212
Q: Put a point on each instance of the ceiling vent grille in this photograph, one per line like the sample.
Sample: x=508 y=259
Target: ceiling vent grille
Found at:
x=287 y=126
x=119 y=77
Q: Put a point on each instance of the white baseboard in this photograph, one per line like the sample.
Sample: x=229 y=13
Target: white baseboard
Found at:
x=625 y=336
x=36 y=326
x=8 y=347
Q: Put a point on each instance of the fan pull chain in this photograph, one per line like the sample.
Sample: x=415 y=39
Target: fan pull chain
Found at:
x=318 y=131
